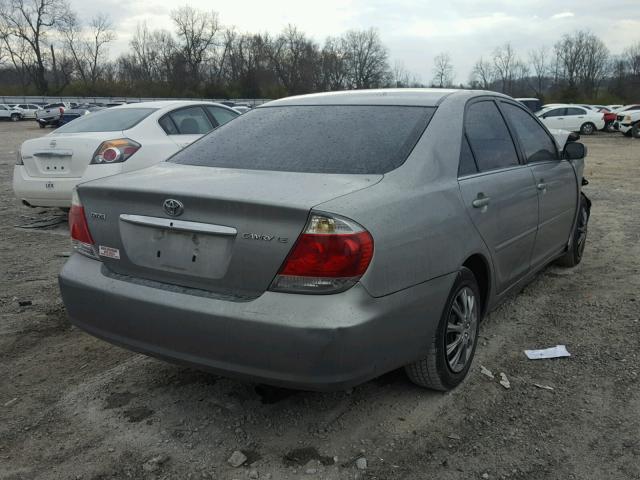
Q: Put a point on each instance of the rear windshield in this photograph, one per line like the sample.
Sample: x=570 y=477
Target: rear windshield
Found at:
x=314 y=139
x=107 y=120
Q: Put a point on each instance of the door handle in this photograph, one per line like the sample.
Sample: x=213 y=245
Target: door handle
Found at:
x=541 y=185
x=481 y=202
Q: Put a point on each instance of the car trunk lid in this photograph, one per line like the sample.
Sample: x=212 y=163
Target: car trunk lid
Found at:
x=234 y=231
x=62 y=156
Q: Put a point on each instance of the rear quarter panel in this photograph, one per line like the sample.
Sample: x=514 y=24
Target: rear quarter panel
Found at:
x=416 y=216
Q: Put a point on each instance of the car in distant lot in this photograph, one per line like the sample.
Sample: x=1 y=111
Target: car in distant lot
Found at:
x=28 y=110
x=533 y=104
x=320 y=241
x=50 y=114
x=573 y=118
x=109 y=141
x=7 y=112
x=628 y=122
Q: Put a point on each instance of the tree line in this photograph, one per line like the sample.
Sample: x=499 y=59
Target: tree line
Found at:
x=46 y=49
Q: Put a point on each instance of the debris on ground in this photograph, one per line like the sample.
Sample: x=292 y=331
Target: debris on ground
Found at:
x=554 y=352
x=253 y=474
x=545 y=387
x=11 y=402
x=485 y=475
x=25 y=303
x=236 y=459
x=504 y=381
x=43 y=223
x=454 y=436
x=154 y=464
x=361 y=463
x=486 y=372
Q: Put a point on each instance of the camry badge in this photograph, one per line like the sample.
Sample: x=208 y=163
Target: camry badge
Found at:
x=173 y=207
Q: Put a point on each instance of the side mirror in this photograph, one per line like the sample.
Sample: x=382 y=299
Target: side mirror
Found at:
x=574 y=151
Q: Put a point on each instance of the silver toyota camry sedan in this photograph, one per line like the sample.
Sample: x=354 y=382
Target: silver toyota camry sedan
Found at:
x=319 y=241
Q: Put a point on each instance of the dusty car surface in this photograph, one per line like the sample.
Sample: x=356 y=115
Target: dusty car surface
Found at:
x=322 y=240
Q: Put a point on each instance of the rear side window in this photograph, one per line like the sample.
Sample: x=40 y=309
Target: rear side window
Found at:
x=191 y=121
x=575 y=111
x=352 y=139
x=489 y=137
x=108 y=120
x=467 y=164
x=221 y=115
x=536 y=143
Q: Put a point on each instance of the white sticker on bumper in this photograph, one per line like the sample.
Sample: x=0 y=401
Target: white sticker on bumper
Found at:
x=109 y=252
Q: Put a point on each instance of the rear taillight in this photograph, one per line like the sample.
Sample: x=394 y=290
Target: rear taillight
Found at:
x=115 y=151
x=330 y=256
x=80 y=235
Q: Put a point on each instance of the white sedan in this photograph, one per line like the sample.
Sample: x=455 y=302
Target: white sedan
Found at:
x=120 y=139
x=573 y=118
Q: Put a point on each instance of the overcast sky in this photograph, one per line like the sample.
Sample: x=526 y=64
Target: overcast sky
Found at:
x=414 y=31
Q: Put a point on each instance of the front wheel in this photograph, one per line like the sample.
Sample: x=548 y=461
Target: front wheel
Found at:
x=573 y=256
x=609 y=128
x=635 y=130
x=15 y=117
x=587 y=128
x=453 y=346
x=42 y=125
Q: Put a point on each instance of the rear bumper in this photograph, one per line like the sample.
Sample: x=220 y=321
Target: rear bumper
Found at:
x=311 y=342
x=43 y=191
x=55 y=191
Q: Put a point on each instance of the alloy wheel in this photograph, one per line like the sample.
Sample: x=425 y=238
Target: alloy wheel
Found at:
x=461 y=329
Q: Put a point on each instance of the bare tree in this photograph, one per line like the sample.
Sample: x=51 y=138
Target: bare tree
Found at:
x=504 y=62
x=538 y=60
x=632 y=56
x=594 y=66
x=26 y=25
x=365 y=58
x=295 y=60
x=483 y=74
x=333 y=70
x=442 y=70
x=88 y=47
x=198 y=33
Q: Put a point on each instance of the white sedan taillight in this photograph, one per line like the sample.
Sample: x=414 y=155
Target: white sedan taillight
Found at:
x=330 y=256
x=115 y=151
x=80 y=236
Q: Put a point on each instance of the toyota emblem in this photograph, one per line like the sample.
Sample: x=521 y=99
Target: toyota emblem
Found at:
x=173 y=207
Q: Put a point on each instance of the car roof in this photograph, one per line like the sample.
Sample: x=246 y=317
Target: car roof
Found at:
x=425 y=97
x=157 y=104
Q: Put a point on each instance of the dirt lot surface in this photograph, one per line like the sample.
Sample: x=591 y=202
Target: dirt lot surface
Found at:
x=72 y=406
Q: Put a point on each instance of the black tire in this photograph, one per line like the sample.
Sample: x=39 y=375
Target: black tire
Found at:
x=635 y=130
x=573 y=256
x=435 y=371
x=587 y=128
x=42 y=125
x=15 y=117
x=628 y=133
x=609 y=127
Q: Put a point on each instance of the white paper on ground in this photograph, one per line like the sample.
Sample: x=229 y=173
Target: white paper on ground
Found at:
x=553 y=352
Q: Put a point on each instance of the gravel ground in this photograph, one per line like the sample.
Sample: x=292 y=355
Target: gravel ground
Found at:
x=72 y=406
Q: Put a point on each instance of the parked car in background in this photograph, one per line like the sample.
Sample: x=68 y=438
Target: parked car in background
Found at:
x=9 y=113
x=628 y=122
x=533 y=104
x=50 y=114
x=28 y=110
x=292 y=245
x=106 y=142
x=613 y=108
x=573 y=118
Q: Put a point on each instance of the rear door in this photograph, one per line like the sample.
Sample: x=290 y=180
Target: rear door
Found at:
x=555 y=179
x=574 y=118
x=498 y=191
x=187 y=124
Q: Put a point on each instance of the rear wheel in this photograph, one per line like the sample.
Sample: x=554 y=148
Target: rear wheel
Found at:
x=453 y=346
x=635 y=130
x=574 y=255
x=587 y=128
x=15 y=117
